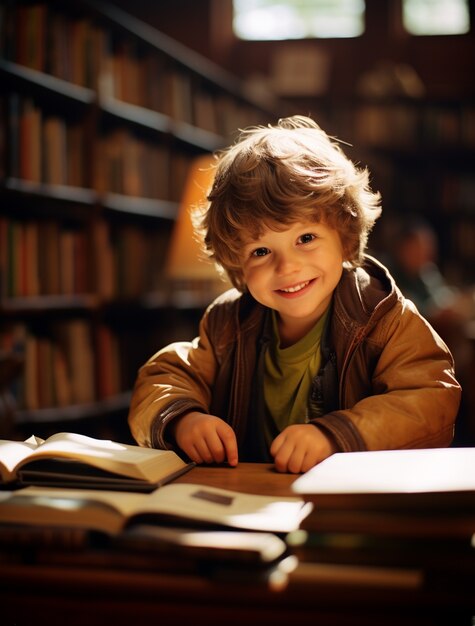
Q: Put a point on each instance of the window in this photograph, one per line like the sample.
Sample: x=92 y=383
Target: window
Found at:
x=436 y=17
x=298 y=19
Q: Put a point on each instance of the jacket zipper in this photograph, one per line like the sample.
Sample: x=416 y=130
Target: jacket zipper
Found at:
x=236 y=385
x=357 y=339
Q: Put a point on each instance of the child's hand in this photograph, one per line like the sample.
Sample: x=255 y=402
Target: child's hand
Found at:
x=299 y=447
x=206 y=439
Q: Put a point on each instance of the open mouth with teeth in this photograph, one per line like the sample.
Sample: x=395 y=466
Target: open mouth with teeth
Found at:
x=295 y=288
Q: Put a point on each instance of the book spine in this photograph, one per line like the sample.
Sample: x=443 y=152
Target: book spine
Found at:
x=19 y=542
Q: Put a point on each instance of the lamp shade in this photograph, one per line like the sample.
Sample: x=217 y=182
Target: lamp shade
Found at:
x=187 y=267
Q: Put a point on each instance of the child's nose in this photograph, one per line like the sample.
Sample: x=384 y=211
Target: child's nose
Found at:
x=287 y=264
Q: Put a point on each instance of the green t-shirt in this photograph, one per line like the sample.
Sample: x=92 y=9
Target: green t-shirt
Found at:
x=288 y=377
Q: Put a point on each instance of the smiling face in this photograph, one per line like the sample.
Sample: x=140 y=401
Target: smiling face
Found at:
x=294 y=272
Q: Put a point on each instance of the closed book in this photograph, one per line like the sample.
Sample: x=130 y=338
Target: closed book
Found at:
x=424 y=480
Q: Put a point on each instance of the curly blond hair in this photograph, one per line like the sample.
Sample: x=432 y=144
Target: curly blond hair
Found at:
x=274 y=176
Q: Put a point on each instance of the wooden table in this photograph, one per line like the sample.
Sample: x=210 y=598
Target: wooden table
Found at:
x=259 y=478
x=322 y=589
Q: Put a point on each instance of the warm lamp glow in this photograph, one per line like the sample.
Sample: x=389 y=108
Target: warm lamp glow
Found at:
x=187 y=267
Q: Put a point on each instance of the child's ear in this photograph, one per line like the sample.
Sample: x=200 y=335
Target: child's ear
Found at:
x=345 y=249
x=350 y=248
x=242 y=287
x=347 y=259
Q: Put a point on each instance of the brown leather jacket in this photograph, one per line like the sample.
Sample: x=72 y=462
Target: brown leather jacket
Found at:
x=387 y=381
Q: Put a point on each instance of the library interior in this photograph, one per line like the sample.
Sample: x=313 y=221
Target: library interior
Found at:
x=104 y=110
x=108 y=111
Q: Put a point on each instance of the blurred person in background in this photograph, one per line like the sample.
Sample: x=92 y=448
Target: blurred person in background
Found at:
x=414 y=263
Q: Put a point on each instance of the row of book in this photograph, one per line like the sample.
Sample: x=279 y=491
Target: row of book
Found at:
x=44 y=148
x=402 y=124
x=457 y=192
x=44 y=39
x=46 y=257
x=80 y=50
x=426 y=188
x=147 y=81
x=71 y=364
x=43 y=257
x=40 y=146
x=136 y=166
x=130 y=260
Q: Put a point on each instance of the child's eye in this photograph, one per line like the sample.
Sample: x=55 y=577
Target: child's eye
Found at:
x=306 y=238
x=260 y=252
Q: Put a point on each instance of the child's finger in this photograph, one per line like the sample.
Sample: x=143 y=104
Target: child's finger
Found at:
x=216 y=447
x=296 y=460
x=204 y=453
x=229 y=442
x=283 y=455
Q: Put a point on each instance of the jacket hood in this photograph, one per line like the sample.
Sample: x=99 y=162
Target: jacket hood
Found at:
x=364 y=294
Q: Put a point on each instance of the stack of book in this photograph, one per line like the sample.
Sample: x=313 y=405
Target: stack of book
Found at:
x=404 y=512
x=71 y=492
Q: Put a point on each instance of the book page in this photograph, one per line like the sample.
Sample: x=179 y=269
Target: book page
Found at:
x=11 y=454
x=195 y=502
x=239 y=510
x=134 y=461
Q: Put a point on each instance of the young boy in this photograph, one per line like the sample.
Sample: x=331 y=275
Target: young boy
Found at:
x=315 y=350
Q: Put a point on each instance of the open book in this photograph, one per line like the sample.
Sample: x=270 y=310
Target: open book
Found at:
x=68 y=459
x=112 y=511
x=422 y=479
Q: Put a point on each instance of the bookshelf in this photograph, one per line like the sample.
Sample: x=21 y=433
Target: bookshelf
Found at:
x=101 y=116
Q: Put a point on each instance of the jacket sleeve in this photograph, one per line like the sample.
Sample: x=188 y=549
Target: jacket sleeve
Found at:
x=413 y=398
x=174 y=381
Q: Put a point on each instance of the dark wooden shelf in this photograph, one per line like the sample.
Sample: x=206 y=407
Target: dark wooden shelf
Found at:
x=61 y=193
x=124 y=111
x=427 y=155
x=203 y=139
x=165 y=299
x=75 y=412
x=39 y=81
x=161 y=123
x=48 y=303
x=140 y=207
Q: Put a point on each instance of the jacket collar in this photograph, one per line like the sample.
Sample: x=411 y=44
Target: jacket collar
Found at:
x=364 y=294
